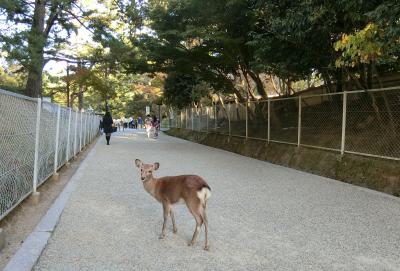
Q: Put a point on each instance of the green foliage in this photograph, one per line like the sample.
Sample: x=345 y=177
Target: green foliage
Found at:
x=181 y=90
x=35 y=32
x=361 y=47
x=203 y=39
x=23 y=40
x=225 y=46
x=11 y=81
x=378 y=42
x=218 y=42
x=136 y=106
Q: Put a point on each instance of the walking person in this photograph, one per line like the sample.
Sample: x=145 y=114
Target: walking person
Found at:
x=108 y=126
x=148 y=125
x=156 y=126
x=130 y=124
x=118 y=124
x=140 y=122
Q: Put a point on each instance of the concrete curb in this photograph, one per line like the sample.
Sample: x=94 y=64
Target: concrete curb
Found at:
x=28 y=254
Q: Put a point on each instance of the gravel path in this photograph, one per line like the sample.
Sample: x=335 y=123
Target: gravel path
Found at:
x=261 y=216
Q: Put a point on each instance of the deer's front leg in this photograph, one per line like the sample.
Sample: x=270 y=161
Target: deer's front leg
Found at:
x=175 y=229
x=166 y=209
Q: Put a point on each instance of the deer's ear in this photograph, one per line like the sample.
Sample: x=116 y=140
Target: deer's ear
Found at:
x=156 y=165
x=138 y=163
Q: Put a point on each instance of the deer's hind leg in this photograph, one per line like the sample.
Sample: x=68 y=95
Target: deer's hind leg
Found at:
x=194 y=206
x=205 y=220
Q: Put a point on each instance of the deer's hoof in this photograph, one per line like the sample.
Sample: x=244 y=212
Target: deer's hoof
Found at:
x=207 y=248
x=162 y=236
x=190 y=244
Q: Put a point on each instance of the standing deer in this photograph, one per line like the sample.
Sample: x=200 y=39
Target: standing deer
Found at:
x=190 y=189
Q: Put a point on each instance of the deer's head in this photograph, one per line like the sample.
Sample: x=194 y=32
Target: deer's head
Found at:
x=146 y=170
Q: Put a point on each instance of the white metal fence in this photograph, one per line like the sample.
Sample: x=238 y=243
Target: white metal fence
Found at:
x=36 y=139
x=365 y=122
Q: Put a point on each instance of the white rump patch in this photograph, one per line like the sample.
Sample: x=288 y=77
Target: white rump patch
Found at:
x=204 y=194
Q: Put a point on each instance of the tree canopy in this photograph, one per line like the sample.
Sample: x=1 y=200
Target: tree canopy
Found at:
x=248 y=49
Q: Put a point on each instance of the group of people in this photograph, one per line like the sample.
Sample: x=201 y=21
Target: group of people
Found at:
x=110 y=125
x=131 y=123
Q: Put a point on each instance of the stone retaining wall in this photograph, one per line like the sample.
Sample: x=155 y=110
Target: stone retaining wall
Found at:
x=374 y=173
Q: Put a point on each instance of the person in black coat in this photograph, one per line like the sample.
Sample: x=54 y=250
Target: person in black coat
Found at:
x=107 y=126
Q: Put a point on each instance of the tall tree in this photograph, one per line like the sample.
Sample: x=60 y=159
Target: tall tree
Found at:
x=35 y=32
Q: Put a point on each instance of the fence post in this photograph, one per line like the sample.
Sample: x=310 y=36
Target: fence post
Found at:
x=192 y=118
x=36 y=194
x=207 y=115
x=199 y=114
x=186 y=118
x=269 y=120
x=215 y=116
x=299 y=124
x=90 y=129
x=93 y=127
x=92 y=133
x=80 y=133
x=342 y=146
x=247 y=119
x=75 y=134
x=85 y=130
x=181 y=116
x=229 y=119
x=55 y=174
x=68 y=137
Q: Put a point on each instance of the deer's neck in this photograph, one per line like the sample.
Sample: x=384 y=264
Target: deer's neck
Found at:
x=150 y=186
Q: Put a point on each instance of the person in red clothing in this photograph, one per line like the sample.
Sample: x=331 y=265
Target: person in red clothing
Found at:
x=156 y=126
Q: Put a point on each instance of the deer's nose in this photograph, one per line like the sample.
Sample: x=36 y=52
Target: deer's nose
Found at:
x=142 y=178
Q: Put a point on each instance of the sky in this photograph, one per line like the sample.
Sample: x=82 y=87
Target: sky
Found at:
x=82 y=37
x=59 y=67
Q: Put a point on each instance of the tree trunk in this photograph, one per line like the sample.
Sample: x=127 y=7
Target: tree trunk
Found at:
x=327 y=81
x=339 y=80
x=369 y=76
x=274 y=86
x=81 y=88
x=250 y=94
x=36 y=43
x=363 y=79
x=259 y=84
x=289 y=87
x=80 y=96
x=385 y=99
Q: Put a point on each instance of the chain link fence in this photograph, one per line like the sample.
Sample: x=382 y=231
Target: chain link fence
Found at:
x=365 y=122
x=37 y=138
